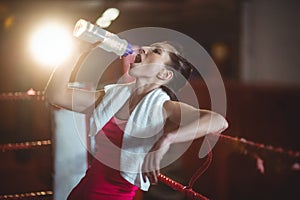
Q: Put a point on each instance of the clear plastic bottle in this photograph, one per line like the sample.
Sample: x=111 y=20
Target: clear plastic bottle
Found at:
x=110 y=42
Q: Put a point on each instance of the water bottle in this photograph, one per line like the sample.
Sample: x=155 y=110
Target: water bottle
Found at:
x=110 y=42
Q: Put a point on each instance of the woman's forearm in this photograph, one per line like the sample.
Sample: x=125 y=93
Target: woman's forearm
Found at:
x=58 y=93
x=190 y=129
x=58 y=82
x=209 y=122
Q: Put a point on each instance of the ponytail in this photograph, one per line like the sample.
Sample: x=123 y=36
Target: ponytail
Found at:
x=182 y=70
x=169 y=92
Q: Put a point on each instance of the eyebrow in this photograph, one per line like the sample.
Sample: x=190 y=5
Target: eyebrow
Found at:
x=159 y=47
x=154 y=45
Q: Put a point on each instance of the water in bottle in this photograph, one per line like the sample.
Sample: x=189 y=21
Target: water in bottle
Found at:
x=110 y=42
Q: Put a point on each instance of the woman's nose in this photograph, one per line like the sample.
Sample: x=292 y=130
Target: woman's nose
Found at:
x=141 y=51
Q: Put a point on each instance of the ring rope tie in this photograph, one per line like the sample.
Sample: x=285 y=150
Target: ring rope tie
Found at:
x=187 y=190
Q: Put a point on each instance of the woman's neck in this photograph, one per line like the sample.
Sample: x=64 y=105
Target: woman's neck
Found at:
x=141 y=88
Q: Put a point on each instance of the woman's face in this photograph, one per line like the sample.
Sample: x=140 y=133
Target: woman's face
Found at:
x=150 y=60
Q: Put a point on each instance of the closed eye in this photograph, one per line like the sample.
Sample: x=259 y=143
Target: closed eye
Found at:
x=157 y=51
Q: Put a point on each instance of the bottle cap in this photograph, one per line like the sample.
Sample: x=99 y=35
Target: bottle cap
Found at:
x=129 y=50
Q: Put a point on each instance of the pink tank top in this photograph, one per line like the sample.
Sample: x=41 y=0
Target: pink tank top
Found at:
x=102 y=181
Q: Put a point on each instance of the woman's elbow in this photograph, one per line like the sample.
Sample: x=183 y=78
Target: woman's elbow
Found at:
x=51 y=99
x=222 y=123
x=49 y=96
x=55 y=98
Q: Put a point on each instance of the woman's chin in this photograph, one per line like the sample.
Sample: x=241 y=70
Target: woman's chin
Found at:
x=131 y=74
x=133 y=65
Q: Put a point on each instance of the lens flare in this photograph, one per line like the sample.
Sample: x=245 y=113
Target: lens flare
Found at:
x=50 y=44
x=111 y=14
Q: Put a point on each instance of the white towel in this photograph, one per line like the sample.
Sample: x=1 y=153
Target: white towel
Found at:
x=144 y=127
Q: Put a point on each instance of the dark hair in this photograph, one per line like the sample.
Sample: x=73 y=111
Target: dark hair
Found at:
x=182 y=70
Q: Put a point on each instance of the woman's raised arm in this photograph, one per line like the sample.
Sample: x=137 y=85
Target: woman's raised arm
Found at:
x=58 y=93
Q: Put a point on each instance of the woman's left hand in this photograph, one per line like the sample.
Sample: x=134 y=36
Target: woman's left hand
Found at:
x=151 y=164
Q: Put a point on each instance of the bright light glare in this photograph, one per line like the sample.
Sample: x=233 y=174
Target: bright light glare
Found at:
x=107 y=17
x=103 y=23
x=50 y=44
x=111 y=14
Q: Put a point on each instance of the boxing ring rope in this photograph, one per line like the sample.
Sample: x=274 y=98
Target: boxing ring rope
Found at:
x=187 y=190
x=260 y=146
x=39 y=95
x=25 y=96
x=29 y=95
x=24 y=145
x=27 y=195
